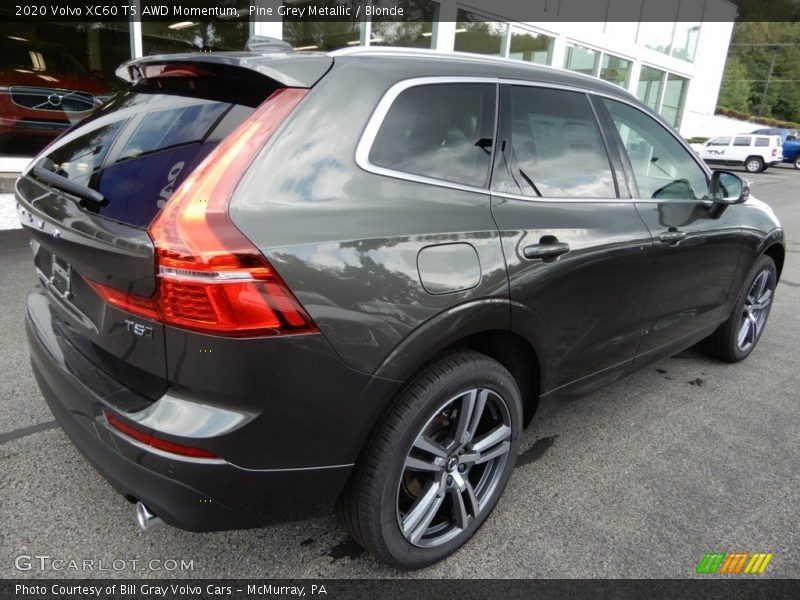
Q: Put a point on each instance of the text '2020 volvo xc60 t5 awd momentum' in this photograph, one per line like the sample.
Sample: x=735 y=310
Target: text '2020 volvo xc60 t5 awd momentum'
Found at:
x=269 y=284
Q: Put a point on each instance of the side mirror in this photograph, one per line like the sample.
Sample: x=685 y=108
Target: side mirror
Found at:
x=728 y=188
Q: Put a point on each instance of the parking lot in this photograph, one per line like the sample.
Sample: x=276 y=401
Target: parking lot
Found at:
x=638 y=480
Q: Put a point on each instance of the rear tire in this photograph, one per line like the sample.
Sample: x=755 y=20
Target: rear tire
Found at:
x=797 y=162
x=737 y=337
x=437 y=463
x=754 y=164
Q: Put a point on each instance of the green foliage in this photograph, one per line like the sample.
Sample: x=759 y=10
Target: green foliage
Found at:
x=748 y=86
x=735 y=90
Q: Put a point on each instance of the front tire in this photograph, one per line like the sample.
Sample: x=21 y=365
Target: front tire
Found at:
x=737 y=337
x=797 y=162
x=437 y=463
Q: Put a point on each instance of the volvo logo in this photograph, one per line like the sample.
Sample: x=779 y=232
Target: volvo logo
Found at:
x=55 y=99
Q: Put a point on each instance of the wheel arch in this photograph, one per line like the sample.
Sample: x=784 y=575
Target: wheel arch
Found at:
x=777 y=253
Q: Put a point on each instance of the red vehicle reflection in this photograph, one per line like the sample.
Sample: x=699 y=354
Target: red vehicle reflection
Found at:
x=44 y=89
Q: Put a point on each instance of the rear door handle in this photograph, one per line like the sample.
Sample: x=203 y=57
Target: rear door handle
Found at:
x=552 y=250
x=672 y=236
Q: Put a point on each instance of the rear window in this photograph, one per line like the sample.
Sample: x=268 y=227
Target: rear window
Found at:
x=140 y=147
x=742 y=141
x=442 y=131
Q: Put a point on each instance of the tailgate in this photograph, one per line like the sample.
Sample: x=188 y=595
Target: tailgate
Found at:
x=88 y=199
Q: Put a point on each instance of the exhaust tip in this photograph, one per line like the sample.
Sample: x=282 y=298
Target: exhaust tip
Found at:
x=145 y=519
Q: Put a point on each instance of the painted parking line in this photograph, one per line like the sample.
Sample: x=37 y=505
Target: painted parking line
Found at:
x=8 y=213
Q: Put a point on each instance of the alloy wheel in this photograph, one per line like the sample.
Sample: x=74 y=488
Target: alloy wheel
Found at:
x=755 y=310
x=453 y=467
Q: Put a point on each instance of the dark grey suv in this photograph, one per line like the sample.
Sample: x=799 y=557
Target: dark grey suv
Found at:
x=274 y=283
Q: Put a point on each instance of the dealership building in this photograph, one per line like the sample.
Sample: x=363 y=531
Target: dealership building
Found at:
x=669 y=53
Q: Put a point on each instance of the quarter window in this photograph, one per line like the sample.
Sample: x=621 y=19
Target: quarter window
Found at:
x=762 y=142
x=664 y=169
x=556 y=145
x=442 y=131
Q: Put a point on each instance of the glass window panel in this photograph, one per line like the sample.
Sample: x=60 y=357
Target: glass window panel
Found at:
x=720 y=141
x=664 y=169
x=762 y=142
x=674 y=98
x=649 y=90
x=552 y=131
x=742 y=141
x=476 y=34
x=54 y=75
x=687 y=29
x=582 y=60
x=615 y=69
x=304 y=34
x=657 y=24
x=191 y=35
x=441 y=131
x=531 y=47
x=417 y=30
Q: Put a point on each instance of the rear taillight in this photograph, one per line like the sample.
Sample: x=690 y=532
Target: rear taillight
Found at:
x=774 y=152
x=211 y=277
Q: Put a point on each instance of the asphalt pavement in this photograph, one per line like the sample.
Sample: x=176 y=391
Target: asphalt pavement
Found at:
x=639 y=480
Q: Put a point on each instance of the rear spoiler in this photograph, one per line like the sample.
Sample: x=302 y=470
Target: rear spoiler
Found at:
x=285 y=69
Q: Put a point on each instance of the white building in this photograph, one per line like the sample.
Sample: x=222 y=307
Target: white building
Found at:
x=669 y=53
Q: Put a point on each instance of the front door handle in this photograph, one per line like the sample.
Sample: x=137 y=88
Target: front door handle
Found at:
x=672 y=235
x=543 y=251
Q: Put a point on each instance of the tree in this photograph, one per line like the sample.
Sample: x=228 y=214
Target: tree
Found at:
x=735 y=90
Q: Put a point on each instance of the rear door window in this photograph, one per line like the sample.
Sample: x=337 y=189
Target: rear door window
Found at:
x=137 y=161
x=556 y=146
x=440 y=131
x=742 y=141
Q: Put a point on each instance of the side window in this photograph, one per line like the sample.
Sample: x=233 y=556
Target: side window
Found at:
x=443 y=131
x=741 y=141
x=762 y=142
x=720 y=141
x=556 y=146
x=664 y=169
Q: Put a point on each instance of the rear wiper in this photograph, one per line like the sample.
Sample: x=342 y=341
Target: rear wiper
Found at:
x=71 y=187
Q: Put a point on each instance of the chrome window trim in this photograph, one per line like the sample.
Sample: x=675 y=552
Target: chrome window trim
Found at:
x=382 y=109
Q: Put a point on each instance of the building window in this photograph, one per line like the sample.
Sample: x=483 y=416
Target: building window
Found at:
x=650 y=84
x=684 y=43
x=322 y=35
x=188 y=35
x=657 y=25
x=531 y=47
x=674 y=98
x=615 y=69
x=417 y=30
x=476 y=34
x=582 y=60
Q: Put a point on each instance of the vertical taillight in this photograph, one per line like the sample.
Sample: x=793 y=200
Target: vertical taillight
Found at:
x=210 y=276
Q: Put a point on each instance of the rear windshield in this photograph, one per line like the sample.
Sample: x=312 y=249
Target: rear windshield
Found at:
x=141 y=146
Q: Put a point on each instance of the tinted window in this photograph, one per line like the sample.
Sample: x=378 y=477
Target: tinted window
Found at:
x=443 y=131
x=664 y=169
x=762 y=142
x=720 y=141
x=138 y=161
x=557 y=146
x=741 y=141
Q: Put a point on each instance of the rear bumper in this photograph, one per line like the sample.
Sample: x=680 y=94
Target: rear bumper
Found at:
x=192 y=494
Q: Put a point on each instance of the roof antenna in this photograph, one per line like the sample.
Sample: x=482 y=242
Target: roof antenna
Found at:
x=266 y=44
